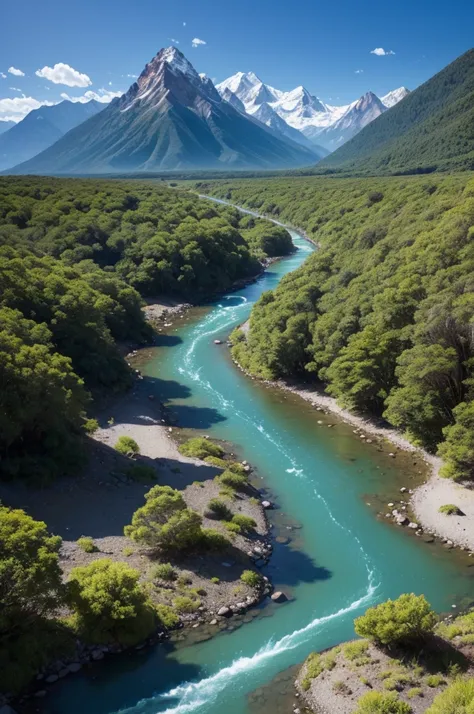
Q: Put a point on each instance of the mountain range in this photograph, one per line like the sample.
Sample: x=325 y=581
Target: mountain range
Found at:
x=41 y=128
x=432 y=129
x=6 y=125
x=170 y=118
x=323 y=124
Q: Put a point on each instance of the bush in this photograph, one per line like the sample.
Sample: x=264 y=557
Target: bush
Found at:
x=183 y=603
x=357 y=650
x=216 y=461
x=245 y=523
x=167 y=616
x=415 y=692
x=406 y=620
x=213 y=540
x=382 y=703
x=215 y=580
x=313 y=667
x=341 y=687
x=199 y=448
x=90 y=426
x=232 y=527
x=232 y=480
x=86 y=543
x=127 y=446
x=458 y=698
x=164 y=571
x=165 y=522
x=218 y=509
x=434 y=680
x=142 y=473
x=109 y=604
x=462 y=626
x=251 y=578
x=450 y=510
x=236 y=468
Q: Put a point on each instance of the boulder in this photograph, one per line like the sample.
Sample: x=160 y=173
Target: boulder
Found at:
x=278 y=596
x=415 y=526
x=401 y=519
x=217 y=342
x=224 y=612
x=51 y=679
x=74 y=667
x=266 y=504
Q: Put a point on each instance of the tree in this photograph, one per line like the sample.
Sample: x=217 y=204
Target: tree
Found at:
x=404 y=621
x=109 y=604
x=458 y=448
x=164 y=521
x=458 y=698
x=30 y=576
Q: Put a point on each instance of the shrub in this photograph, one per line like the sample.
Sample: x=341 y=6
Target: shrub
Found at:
x=165 y=522
x=245 y=523
x=434 y=680
x=232 y=480
x=87 y=544
x=90 y=426
x=128 y=551
x=109 y=603
x=218 y=509
x=382 y=703
x=215 y=580
x=213 y=540
x=313 y=668
x=236 y=468
x=233 y=528
x=341 y=687
x=199 y=448
x=183 y=603
x=184 y=580
x=415 y=692
x=462 y=626
x=458 y=698
x=374 y=197
x=251 y=578
x=164 y=571
x=450 y=510
x=396 y=622
x=127 y=446
x=398 y=681
x=356 y=650
x=167 y=616
x=142 y=473
x=216 y=461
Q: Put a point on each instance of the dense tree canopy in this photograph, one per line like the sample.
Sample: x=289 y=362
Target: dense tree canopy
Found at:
x=383 y=312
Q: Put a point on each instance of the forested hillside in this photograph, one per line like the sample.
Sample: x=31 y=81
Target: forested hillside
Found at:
x=383 y=312
x=432 y=129
x=76 y=256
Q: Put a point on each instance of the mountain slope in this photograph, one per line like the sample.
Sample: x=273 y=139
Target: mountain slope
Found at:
x=432 y=128
x=395 y=96
x=41 y=128
x=364 y=111
x=6 y=125
x=268 y=116
x=170 y=118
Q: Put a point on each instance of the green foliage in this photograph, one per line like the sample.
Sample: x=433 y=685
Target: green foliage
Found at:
x=86 y=543
x=414 y=692
x=216 y=461
x=245 y=523
x=109 y=604
x=164 y=571
x=232 y=527
x=218 y=509
x=313 y=667
x=462 y=626
x=449 y=509
x=91 y=426
x=381 y=313
x=430 y=129
x=382 y=703
x=251 y=578
x=215 y=580
x=183 y=603
x=167 y=616
x=141 y=473
x=355 y=651
x=434 y=680
x=164 y=522
x=127 y=446
x=233 y=480
x=458 y=698
x=409 y=619
x=200 y=448
x=213 y=540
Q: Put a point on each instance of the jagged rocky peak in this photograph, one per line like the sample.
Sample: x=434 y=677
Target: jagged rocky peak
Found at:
x=395 y=96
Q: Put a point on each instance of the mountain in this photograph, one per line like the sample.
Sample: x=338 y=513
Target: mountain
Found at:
x=6 y=125
x=249 y=89
x=170 y=118
x=233 y=99
x=268 y=116
x=431 y=129
x=41 y=128
x=395 y=96
x=364 y=111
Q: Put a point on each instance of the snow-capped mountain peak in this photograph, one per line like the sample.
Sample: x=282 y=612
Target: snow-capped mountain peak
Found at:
x=395 y=96
x=176 y=61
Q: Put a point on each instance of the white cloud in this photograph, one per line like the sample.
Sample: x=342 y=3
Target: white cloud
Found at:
x=104 y=96
x=16 y=108
x=110 y=84
x=2 y=75
x=196 y=42
x=359 y=71
x=175 y=42
x=132 y=76
x=16 y=72
x=381 y=52
x=184 y=24
x=15 y=89
x=64 y=74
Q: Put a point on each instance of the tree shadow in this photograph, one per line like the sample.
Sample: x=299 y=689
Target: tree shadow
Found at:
x=290 y=566
x=163 y=340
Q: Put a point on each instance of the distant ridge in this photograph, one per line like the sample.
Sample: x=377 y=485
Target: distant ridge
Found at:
x=431 y=129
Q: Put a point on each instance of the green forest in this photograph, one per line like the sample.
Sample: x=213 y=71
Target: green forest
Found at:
x=76 y=258
x=382 y=314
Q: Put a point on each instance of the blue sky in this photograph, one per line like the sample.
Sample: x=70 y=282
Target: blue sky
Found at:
x=326 y=46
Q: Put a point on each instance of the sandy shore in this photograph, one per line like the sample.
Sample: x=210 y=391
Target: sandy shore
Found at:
x=428 y=498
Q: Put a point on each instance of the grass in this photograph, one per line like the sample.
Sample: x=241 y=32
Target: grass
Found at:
x=356 y=651
x=434 y=680
x=200 y=448
x=449 y=509
x=341 y=687
x=185 y=604
x=164 y=571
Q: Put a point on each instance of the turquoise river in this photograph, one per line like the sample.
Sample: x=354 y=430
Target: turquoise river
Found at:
x=342 y=560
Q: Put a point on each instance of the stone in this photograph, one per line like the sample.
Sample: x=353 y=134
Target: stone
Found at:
x=403 y=489
x=96 y=656
x=401 y=519
x=217 y=342
x=392 y=455
x=40 y=693
x=50 y=680
x=213 y=622
x=283 y=540
x=74 y=667
x=278 y=596
x=63 y=673
x=390 y=505
x=266 y=504
x=224 y=612
x=415 y=526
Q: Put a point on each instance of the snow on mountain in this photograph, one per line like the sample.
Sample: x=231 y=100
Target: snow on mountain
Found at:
x=395 y=96
x=359 y=114
x=267 y=115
